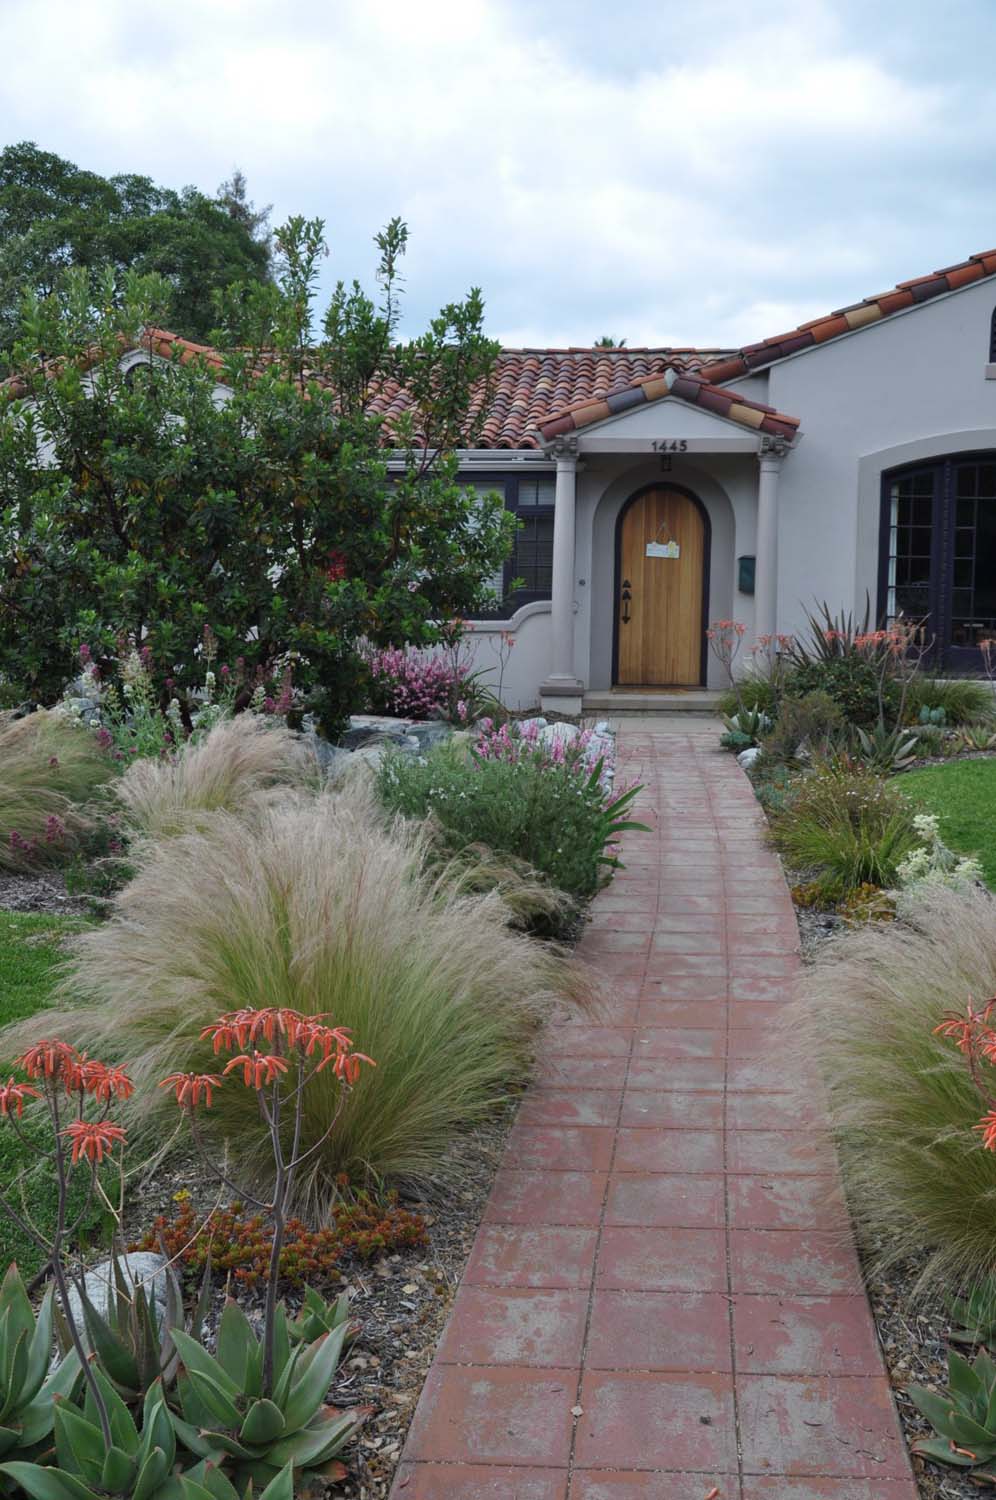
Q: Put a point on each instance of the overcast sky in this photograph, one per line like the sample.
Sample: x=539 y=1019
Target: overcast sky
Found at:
x=672 y=173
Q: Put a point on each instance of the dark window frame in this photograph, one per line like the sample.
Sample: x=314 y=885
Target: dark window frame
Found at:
x=992 y=338
x=944 y=470
x=507 y=485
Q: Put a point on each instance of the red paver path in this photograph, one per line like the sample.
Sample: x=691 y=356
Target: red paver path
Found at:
x=663 y=1301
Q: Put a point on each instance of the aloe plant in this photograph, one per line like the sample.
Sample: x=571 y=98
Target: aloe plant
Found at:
x=318 y=1316
x=975 y=1314
x=28 y=1392
x=226 y=1418
x=134 y=1466
x=964 y=1417
x=132 y=1339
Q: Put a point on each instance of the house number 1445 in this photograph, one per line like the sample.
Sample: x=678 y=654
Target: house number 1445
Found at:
x=670 y=445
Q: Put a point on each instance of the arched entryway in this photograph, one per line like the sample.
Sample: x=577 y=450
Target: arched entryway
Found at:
x=661 y=589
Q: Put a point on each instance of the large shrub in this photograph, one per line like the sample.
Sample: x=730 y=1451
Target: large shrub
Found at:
x=138 y=504
x=918 y=1178
x=554 y=813
x=843 y=827
x=965 y=700
x=852 y=681
x=316 y=906
x=49 y=769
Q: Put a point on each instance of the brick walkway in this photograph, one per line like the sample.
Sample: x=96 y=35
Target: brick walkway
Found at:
x=663 y=1301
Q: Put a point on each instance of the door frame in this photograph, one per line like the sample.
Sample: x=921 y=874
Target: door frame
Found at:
x=645 y=489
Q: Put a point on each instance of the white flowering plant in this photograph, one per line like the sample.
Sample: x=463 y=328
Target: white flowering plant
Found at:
x=931 y=862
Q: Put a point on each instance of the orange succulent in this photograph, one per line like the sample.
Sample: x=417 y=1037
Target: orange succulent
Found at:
x=13 y=1095
x=190 y=1086
x=105 y=1082
x=258 y=1068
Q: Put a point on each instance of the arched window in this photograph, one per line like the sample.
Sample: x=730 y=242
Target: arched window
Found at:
x=992 y=339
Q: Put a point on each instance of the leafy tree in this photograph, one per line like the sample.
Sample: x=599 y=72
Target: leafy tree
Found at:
x=606 y=342
x=137 y=501
x=54 y=215
x=233 y=195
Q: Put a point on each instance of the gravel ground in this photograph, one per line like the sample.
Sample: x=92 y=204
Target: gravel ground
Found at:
x=40 y=893
x=401 y=1300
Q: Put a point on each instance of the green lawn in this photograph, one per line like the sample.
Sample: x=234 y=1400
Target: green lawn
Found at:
x=29 y=954
x=963 y=795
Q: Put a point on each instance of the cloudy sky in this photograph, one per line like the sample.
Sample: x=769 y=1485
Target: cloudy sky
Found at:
x=667 y=172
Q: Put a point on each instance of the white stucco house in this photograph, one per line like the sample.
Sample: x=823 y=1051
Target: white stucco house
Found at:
x=852 y=458
x=660 y=489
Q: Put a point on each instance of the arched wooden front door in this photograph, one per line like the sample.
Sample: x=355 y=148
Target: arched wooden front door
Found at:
x=660 y=591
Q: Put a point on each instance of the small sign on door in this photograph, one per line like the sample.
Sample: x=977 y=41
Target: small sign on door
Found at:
x=663 y=549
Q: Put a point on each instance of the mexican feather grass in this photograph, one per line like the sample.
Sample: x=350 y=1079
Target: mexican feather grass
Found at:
x=918 y=1178
x=315 y=904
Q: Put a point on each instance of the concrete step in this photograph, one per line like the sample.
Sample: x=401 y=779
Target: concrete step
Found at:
x=652 y=701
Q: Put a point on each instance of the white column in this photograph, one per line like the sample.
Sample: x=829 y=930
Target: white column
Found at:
x=766 y=546
x=562 y=690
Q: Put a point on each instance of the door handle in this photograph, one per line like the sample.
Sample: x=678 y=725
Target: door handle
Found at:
x=626 y=597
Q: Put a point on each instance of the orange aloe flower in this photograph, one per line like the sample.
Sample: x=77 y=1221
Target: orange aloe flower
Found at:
x=347 y=1065
x=93 y=1141
x=105 y=1082
x=987 y=1127
x=51 y=1059
x=14 y=1094
x=258 y=1069
x=190 y=1086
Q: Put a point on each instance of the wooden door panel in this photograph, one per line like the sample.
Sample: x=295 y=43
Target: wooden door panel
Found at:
x=661 y=644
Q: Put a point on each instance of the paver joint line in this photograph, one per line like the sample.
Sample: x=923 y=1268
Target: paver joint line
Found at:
x=665 y=1283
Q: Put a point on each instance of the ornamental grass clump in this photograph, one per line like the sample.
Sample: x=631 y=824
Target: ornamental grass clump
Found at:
x=843 y=827
x=919 y=1182
x=50 y=769
x=240 y=764
x=315 y=905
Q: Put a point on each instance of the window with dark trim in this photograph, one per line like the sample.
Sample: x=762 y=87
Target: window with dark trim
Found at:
x=531 y=498
x=938 y=552
x=992 y=338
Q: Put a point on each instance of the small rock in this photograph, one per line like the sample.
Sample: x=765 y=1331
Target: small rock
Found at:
x=530 y=724
x=141 y=1266
x=559 y=734
x=746 y=758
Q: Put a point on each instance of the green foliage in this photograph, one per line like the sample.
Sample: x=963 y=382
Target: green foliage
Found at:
x=49 y=767
x=843 y=828
x=270 y=516
x=974 y=1315
x=976 y=737
x=830 y=637
x=963 y=699
x=755 y=692
x=885 y=750
x=318 y=1316
x=964 y=1417
x=919 y=1182
x=133 y=1465
x=932 y=717
x=227 y=1419
x=132 y=1338
x=28 y=1391
x=773 y=782
x=851 y=681
x=54 y=215
x=560 y=822
x=810 y=724
x=316 y=905
x=963 y=795
x=736 y=740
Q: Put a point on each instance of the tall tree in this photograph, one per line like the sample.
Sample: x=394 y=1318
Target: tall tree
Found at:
x=55 y=215
x=147 y=507
x=233 y=195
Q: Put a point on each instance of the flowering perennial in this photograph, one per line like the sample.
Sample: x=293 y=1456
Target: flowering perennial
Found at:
x=421 y=684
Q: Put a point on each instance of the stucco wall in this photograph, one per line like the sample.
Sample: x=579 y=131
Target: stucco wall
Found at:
x=910 y=387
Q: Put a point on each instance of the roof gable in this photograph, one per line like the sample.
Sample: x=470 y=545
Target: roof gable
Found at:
x=687 y=387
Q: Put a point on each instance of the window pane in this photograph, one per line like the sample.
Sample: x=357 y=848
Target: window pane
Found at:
x=911 y=544
x=532 y=560
x=536 y=490
x=987 y=479
x=966 y=480
x=965 y=513
x=985 y=562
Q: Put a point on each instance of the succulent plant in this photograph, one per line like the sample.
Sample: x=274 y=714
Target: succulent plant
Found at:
x=975 y=1315
x=964 y=1416
x=318 y=1316
x=227 y=1419
x=27 y=1390
x=133 y=1465
x=133 y=1339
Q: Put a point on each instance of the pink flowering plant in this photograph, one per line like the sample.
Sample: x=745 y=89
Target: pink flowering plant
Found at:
x=437 y=683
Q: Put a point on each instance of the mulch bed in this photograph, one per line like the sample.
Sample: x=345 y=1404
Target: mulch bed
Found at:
x=40 y=894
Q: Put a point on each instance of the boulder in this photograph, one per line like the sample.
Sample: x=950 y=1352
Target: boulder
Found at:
x=143 y=1266
x=562 y=734
x=746 y=758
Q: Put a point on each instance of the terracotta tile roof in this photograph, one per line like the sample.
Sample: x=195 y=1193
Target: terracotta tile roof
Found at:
x=847 y=319
x=531 y=386
x=687 y=386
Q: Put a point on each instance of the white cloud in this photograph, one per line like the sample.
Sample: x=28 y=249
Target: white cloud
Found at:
x=663 y=178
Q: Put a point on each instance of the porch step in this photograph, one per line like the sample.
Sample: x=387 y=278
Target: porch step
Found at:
x=652 y=701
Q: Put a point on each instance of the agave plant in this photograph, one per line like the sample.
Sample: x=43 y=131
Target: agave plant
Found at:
x=977 y=737
x=28 y=1393
x=133 y=1465
x=964 y=1417
x=751 y=722
x=886 y=750
x=133 y=1339
x=226 y=1419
